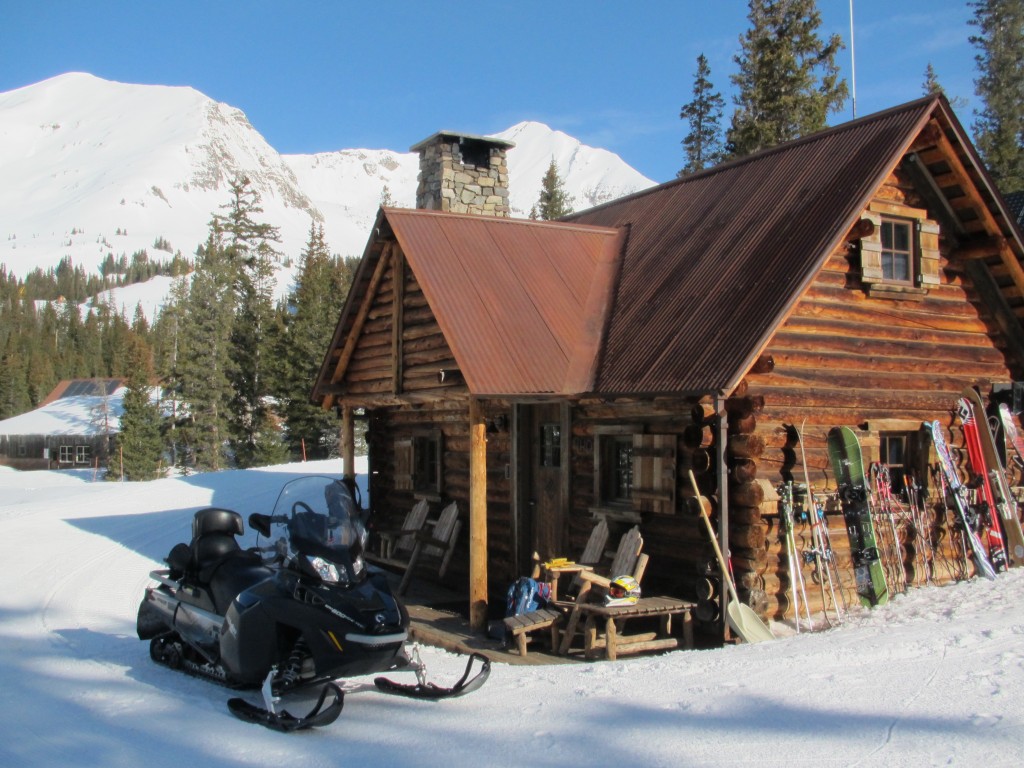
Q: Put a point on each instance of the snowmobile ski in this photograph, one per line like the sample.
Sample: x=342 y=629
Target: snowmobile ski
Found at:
x=286 y=722
x=848 y=466
x=421 y=689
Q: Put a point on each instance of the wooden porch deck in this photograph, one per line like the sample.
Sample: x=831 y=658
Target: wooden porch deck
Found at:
x=436 y=618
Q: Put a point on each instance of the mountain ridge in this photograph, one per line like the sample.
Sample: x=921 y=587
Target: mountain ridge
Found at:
x=96 y=167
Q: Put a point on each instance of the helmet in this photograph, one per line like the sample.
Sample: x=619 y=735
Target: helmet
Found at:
x=623 y=590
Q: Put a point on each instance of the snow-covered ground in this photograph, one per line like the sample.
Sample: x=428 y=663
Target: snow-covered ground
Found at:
x=936 y=677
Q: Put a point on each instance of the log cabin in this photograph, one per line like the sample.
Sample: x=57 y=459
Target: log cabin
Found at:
x=74 y=427
x=549 y=374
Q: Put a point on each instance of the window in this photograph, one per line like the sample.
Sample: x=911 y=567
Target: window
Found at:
x=67 y=454
x=894 y=454
x=418 y=462
x=550 y=445
x=900 y=258
x=426 y=474
x=897 y=251
x=616 y=469
x=81 y=454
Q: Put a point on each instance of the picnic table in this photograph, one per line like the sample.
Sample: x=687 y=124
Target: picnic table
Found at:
x=604 y=630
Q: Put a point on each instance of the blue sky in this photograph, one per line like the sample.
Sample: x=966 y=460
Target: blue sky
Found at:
x=321 y=76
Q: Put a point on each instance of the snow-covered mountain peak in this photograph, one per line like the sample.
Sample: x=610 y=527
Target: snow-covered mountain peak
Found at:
x=93 y=168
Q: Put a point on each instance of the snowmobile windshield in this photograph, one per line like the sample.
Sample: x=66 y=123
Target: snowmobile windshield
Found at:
x=323 y=526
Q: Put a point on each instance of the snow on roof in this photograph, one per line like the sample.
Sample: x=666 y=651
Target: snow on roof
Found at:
x=73 y=415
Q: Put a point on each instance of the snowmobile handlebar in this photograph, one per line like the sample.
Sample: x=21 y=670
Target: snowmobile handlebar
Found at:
x=261 y=523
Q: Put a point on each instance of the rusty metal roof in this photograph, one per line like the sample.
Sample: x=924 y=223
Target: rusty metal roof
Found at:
x=714 y=261
x=673 y=290
x=521 y=303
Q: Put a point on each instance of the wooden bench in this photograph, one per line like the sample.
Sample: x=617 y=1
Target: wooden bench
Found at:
x=614 y=642
x=520 y=626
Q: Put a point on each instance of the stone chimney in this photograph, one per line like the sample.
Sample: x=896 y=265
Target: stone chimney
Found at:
x=463 y=174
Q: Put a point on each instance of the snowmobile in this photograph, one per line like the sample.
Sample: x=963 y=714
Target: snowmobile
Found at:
x=297 y=613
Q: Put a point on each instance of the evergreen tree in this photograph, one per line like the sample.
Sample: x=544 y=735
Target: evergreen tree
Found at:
x=139 y=445
x=167 y=339
x=703 y=144
x=203 y=359
x=14 y=393
x=999 y=127
x=254 y=431
x=931 y=85
x=788 y=80
x=931 y=81
x=553 y=202
x=321 y=286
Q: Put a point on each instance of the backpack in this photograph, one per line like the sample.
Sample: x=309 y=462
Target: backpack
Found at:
x=527 y=595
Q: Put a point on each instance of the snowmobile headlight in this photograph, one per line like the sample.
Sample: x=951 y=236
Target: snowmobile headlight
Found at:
x=327 y=571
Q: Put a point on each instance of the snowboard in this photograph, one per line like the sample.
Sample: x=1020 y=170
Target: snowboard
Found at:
x=948 y=468
x=848 y=466
x=995 y=473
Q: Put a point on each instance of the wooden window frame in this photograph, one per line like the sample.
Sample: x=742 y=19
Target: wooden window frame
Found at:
x=890 y=252
x=607 y=451
x=923 y=255
x=550 y=438
x=419 y=463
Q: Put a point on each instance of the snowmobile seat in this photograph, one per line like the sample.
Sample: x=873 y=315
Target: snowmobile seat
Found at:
x=235 y=574
x=213 y=533
x=213 y=539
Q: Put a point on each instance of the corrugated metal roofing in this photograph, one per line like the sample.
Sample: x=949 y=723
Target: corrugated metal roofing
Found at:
x=521 y=303
x=676 y=289
x=714 y=261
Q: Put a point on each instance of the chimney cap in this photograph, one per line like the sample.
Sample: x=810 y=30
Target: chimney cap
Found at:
x=434 y=138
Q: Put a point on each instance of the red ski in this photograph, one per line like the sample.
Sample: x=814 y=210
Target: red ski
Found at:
x=996 y=545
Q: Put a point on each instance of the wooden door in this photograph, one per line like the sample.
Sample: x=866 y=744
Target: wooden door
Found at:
x=543 y=454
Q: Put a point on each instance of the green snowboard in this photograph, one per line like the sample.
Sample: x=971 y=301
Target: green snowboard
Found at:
x=848 y=466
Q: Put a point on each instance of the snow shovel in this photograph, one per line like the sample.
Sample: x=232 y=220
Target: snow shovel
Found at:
x=741 y=618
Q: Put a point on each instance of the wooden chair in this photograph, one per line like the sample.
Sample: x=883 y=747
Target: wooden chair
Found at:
x=397 y=544
x=521 y=626
x=592 y=554
x=437 y=544
x=629 y=560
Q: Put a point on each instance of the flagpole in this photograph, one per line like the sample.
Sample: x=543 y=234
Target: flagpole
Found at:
x=853 y=66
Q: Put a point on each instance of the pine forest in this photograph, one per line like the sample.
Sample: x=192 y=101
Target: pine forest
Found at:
x=233 y=363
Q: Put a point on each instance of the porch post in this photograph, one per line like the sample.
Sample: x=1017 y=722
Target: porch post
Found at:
x=348 y=443
x=722 y=480
x=477 y=517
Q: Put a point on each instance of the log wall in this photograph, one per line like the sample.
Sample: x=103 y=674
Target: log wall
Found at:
x=681 y=556
x=400 y=350
x=874 y=364
x=451 y=419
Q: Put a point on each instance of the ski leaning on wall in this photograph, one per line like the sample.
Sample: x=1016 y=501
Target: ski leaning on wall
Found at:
x=848 y=466
x=956 y=490
x=1013 y=437
x=995 y=474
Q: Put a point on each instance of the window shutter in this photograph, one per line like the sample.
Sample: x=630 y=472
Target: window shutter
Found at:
x=871 y=251
x=403 y=464
x=654 y=474
x=928 y=237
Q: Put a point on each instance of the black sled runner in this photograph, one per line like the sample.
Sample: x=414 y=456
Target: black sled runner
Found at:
x=289 y=618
